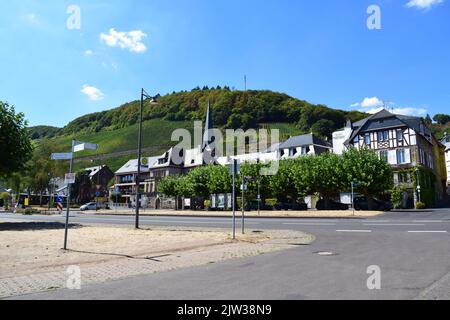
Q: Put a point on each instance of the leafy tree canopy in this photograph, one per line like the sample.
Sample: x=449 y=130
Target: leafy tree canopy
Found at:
x=15 y=142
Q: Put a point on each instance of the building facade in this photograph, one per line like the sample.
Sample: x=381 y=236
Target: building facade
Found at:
x=446 y=142
x=178 y=161
x=408 y=145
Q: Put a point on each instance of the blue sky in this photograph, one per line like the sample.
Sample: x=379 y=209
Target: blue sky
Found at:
x=320 y=51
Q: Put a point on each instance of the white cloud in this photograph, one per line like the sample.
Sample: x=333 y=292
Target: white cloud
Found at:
x=423 y=4
x=374 y=105
x=93 y=93
x=368 y=103
x=404 y=111
x=88 y=53
x=126 y=40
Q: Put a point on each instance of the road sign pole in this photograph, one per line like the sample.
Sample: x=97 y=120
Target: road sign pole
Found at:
x=353 y=199
x=68 y=201
x=243 y=201
x=234 y=198
x=138 y=177
x=259 y=197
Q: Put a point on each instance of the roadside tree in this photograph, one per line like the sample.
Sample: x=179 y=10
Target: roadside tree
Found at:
x=15 y=142
x=372 y=175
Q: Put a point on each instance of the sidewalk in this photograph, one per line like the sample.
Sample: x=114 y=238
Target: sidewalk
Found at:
x=349 y=214
x=34 y=263
x=251 y=214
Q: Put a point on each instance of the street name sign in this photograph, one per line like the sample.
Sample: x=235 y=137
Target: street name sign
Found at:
x=62 y=156
x=85 y=146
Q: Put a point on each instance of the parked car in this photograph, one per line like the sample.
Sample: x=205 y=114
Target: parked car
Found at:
x=94 y=206
x=361 y=203
x=334 y=205
x=89 y=206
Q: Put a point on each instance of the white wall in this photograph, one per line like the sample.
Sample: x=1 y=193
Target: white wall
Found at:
x=339 y=137
x=447 y=162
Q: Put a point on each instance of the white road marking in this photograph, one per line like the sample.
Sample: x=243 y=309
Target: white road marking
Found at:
x=310 y=224
x=428 y=221
x=393 y=225
x=355 y=231
x=418 y=231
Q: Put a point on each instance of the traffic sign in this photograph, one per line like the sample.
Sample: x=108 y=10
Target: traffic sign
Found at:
x=82 y=146
x=70 y=178
x=235 y=167
x=97 y=194
x=62 y=156
x=244 y=187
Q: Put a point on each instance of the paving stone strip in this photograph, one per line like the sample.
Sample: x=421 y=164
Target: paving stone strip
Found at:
x=121 y=268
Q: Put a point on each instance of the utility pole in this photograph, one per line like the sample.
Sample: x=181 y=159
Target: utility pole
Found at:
x=144 y=95
x=138 y=177
x=234 y=169
x=243 y=204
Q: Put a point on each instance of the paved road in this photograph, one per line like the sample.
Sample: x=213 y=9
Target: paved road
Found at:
x=412 y=249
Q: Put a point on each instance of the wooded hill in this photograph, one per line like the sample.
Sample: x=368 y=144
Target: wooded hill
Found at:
x=232 y=109
x=116 y=130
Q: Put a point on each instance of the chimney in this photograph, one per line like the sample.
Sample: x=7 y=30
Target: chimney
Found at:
x=348 y=124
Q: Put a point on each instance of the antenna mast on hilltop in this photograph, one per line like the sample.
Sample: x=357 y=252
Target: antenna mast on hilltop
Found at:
x=245 y=82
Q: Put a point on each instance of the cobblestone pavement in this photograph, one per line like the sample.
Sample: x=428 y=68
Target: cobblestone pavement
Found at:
x=122 y=268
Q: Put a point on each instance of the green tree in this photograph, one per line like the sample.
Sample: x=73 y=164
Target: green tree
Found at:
x=219 y=178
x=168 y=186
x=323 y=128
x=321 y=174
x=199 y=179
x=372 y=174
x=283 y=184
x=41 y=169
x=442 y=119
x=15 y=142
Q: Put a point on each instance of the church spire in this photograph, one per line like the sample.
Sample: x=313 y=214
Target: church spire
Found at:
x=207 y=136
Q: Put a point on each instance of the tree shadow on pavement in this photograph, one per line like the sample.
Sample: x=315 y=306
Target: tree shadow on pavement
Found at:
x=35 y=226
x=155 y=258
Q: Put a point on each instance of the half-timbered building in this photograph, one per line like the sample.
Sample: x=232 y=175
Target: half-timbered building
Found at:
x=406 y=143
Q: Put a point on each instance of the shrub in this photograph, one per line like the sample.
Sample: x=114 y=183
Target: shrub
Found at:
x=5 y=197
x=420 y=205
x=27 y=211
x=397 y=197
x=271 y=202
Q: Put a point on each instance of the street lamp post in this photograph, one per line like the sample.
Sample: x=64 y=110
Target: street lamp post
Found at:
x=144 y=95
